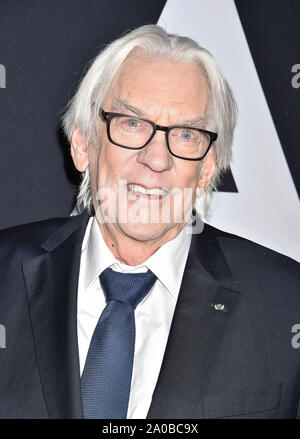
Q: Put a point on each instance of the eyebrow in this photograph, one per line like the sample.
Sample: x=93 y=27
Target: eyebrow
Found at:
x=127 y=106
x=195 y=122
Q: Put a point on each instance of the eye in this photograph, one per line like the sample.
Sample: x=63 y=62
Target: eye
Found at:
x=186 y=135
x=133 y=122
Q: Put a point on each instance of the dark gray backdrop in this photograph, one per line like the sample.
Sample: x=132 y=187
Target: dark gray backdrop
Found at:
x=44 y=47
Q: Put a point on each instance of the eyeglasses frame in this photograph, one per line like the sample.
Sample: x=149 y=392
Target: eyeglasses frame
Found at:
x=107 y=117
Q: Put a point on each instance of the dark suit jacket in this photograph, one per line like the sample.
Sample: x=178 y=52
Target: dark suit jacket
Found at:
x=232 y=362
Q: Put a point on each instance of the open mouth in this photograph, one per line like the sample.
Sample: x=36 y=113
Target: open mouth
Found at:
x=150 y=192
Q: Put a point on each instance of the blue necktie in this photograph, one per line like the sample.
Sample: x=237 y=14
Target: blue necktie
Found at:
x=106 y=378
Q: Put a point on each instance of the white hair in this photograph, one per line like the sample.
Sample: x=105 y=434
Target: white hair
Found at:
x=83 y=110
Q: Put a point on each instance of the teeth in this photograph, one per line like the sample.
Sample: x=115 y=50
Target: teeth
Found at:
x=143 y=190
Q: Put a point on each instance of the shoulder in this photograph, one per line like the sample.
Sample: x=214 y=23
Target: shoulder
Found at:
x=249 y=259
x=25 y=240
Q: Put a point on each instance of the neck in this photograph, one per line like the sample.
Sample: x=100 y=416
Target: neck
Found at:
x=129 y=250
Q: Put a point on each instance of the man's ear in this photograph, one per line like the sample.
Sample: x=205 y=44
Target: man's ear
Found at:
x=79 y=150
x=208 y=169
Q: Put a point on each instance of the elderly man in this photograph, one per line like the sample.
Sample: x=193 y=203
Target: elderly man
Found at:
x=130 y=309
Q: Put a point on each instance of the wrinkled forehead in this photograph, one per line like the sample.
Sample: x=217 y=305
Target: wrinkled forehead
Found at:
x=155 y=78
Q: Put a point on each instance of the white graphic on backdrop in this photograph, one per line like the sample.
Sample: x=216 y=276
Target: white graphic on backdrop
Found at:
x=266 y=209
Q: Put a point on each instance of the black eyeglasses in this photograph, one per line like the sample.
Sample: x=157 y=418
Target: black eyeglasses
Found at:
x=132 y=132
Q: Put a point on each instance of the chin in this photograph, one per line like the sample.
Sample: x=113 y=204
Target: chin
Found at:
x=146 y=231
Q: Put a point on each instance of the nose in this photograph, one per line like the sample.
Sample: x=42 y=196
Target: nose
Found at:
x=156 y=155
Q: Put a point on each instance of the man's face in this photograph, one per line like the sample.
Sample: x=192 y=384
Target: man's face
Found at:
x=167 y=93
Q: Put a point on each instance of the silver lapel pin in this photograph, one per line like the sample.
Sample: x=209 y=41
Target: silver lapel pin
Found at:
x=219 y=307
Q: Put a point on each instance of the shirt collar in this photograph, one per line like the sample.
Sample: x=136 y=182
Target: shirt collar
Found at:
x=98 y=255
x=167 y=263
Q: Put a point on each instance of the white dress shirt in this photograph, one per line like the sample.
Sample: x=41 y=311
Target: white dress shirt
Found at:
x=153 y=314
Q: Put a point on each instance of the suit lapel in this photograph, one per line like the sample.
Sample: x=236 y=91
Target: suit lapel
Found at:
x=197 y=331
x=51 y=282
